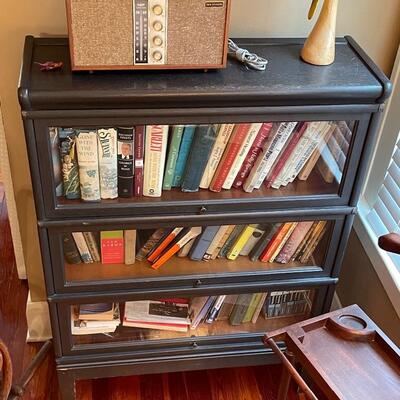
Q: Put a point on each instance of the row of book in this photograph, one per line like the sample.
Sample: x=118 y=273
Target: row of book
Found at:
x=182 y=314
x=270 y=242
x=106 y=163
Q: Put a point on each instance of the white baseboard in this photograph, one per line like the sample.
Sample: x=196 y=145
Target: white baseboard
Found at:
x=38 y=319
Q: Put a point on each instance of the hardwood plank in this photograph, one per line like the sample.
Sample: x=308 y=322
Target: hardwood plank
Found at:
x=151 y=387
x=197 y=385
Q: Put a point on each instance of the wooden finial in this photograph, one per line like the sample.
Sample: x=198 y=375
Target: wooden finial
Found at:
x=319 y=48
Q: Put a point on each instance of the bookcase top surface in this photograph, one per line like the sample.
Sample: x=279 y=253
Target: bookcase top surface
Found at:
x=352 y=79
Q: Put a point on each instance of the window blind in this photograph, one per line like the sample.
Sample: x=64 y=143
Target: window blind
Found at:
x=384 y=217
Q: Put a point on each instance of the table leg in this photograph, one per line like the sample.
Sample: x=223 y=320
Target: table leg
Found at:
x=285 y=378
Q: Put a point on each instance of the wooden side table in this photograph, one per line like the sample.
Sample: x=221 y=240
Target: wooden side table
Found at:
x=346 y=355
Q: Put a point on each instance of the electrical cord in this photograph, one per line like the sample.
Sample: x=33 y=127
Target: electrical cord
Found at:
x=250 y=60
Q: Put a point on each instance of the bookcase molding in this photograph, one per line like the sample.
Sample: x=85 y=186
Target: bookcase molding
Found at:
x=352 y=89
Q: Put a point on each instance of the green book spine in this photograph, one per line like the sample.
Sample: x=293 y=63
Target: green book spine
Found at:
x=172 y=156
x=240 y=309
x=230 y=241
x=252 y=307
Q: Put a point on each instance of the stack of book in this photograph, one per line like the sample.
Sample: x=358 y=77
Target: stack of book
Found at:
x=89 y=319
x=288 y=303
x=106 y=163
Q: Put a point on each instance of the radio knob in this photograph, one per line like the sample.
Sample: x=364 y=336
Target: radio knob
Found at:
x=157 y=56
x=157 y=26
x=157 y=9
x=157 y=41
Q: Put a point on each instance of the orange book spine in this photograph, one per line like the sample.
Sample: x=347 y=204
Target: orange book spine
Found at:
x=274 y=243
x=164 y=245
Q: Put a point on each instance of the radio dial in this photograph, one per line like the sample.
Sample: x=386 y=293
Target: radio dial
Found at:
x=158 y=26
x=157 y=41
x=157 y=56
x=157 y=9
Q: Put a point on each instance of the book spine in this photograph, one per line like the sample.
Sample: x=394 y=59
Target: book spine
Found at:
x=275 y=241
x=88 y=161
x=252 y=155
x=251 y=308
x=240 y=308
x=224 y=133
x=112 y=247
x=70 y=170
x=253 y=240
x=184 y=251
x=227 y=307
x=305 y=240
x=155 y=151
x=56 y=161
x=160 y=247
x=238 y=136
x=139 y=160
x=215 y=309
x=214 y=244
x=316 y=237
x=82 y=247
x=203 y=312
x=282 y=159
x=259 y=307
x=184 y=151
x=270 y=231
x=283 y=241
x=108 y=168
x=203 y=242
x=222 y=241
x=174 y=145
x=203 y=142
x=148 y=246
x=241 y=155
x=310 y=164
x=240 y=242
x=125 y=161
x=230 y=241
x=70 y=250
x=129 y=246
x=92 y=245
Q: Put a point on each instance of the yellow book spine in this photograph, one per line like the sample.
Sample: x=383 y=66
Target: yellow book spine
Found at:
x=240 y=242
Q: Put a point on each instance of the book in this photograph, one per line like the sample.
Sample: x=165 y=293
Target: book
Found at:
x=253 y=153
x=92 y=327
x=227 y=307
x=224 y=133
x=196 y=305
x=230 y=241
x=112 y=247
x=126 y=145
x=259 y=307
x=56 y=161
x=241 y=155
x=268 y=155
x=108 y=166
x=302 y=244
x=150 y=243
x=88 y=162
x=293 y=242
x=252 y=307
x=70 y=250
x=215 y=309
x=92 y=244
x=240 y=241
x=285 y=154
x=252 y=241
x=328 y=167
x=139 y=160
x=270 y=230
x=184 y=239
x=155 y=151
x=173 y=150
x=316 y=228
x=272 y=246
x=215 y=242
x=160 y=247
x=202 y=243
x=239 y=310
x=204 y=138
x=69 y=159
x=222 y=241
x=196 y=320
x=82 y=247
x=314 y=240
x=129 y=246
x=184 y=251
x=96 y=312
x=231 y=150
x=186 y=143
x=283 y=241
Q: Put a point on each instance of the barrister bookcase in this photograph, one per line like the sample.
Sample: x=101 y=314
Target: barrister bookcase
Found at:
x=350 y=94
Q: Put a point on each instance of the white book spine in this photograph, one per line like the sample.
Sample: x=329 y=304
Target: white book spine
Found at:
x=213 y=245
x=82 y=247
x=224 y=133
x=244 y=149
x=107 y=149
x=155 y=153
x=86 y=146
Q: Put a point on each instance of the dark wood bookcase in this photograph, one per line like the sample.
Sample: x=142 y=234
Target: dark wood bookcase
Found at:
x=352 y=89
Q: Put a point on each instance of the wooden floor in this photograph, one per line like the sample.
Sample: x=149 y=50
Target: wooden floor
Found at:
x=253 y=383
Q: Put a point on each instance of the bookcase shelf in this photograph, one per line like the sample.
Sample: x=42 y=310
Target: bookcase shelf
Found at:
x=349 y=92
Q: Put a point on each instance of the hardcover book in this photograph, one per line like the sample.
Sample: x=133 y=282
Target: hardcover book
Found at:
x=163 y=244
x=108 y=169
x=252 y=307
x=155 y=151
x=174 y=145
x=211 y=251
x=230 y=241
x=259 y=307
x=150 y=243
x=304 y=241
x=270 y=231
x=227 y=307
x=88 y=161
x=184 y=251
x=222 y=241
x=69 y=159
x=112 y=247
x=125 y=161
x=283 y=241
x=253 y=240
x=240 y=241
x=269 y=251
x=82 y=247
x=203 y=142
x=223 y=136
x=202 y=243
x=199 y=317
x=183 y=154
x=70 y=250
x=130 y=246
x=139 y=160
x=92 y=244
x=240 y=308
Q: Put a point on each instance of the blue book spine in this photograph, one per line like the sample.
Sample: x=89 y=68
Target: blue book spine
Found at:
x=183 y=155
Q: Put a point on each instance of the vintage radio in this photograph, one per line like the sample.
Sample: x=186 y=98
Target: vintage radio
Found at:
x=148 y=34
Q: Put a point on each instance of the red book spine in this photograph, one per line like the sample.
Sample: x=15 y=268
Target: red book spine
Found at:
x=229 y=156
x=139 y=160
x=286 y=154
x=252 y=155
